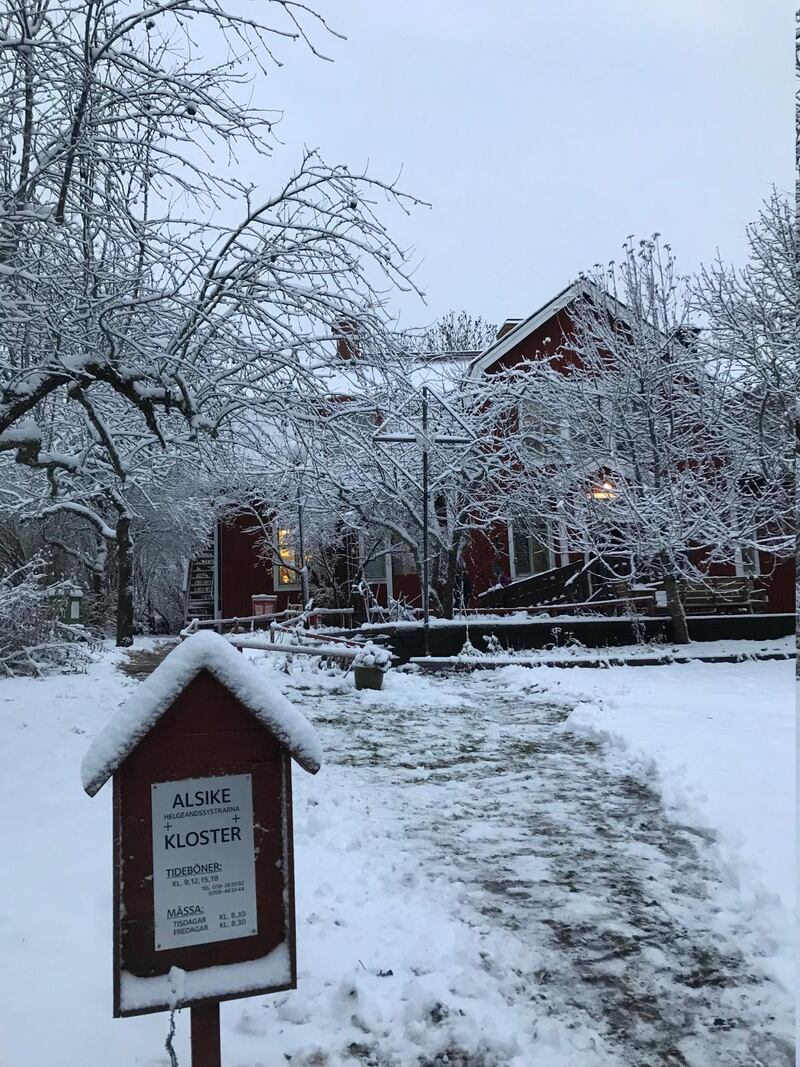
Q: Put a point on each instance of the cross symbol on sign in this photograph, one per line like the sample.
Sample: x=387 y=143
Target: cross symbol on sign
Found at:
x=236 y=818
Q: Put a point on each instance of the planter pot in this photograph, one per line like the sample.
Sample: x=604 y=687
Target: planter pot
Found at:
x=368 y=677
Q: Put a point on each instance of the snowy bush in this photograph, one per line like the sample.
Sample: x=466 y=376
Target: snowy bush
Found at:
x=493 y=646
x=468 y=650
x=372 y=655
x=33 y=639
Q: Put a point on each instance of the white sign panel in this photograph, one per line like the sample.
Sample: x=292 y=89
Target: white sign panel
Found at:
x=204 y=870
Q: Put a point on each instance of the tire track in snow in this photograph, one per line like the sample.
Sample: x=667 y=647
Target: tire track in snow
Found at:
x=547 y=838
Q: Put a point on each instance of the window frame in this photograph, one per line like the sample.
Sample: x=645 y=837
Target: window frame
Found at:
x=278 y=585
x=385 y=556
x=548 y=544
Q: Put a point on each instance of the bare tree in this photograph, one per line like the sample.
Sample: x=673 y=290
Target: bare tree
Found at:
x=753 y=317
x=634 y=439
x=373 y=485
x=125 y=317
x=754 y=337
x=456 y=332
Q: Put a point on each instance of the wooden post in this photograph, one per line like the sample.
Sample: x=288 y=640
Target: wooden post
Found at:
x=205 y=1035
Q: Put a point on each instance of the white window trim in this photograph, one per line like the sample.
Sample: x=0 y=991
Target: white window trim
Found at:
x=217 y=590
x=277 y=585
x=563 y=544
x=551 y=554
x=387 y=564
x=739 y=565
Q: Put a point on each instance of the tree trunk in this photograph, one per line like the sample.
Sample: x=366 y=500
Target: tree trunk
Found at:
x=449 y=586
x=447 y=600
x=125 y=580
x=680 y=628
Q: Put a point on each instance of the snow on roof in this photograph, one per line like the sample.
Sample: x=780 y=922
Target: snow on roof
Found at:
x=503 y=344
x=357 y=378
x=134 y=719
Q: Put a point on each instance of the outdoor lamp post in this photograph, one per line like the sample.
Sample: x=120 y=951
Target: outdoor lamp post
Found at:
x=424 y=441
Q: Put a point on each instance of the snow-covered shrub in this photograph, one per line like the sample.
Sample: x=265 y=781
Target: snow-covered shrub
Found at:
x=493 y=646
x=372 y=655
x=468 y=650
x=33 y=639
x=399 y=610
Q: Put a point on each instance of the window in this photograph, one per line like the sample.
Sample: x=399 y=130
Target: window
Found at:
x=286 y=577
x=402 y=559
x=531 y=547
x=604 y=490
x=532 y=423
x=375 y=566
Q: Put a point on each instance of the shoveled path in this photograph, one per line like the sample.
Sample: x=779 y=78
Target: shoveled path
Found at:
x=140 y=662
x=637 y=928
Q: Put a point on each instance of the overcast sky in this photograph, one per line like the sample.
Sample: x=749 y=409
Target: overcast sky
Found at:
x=543 y=132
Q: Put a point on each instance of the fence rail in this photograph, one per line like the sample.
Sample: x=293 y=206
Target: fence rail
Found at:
x=255 y=622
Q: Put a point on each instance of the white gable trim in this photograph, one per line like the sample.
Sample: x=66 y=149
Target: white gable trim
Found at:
x=503 y=346
x=500 y=348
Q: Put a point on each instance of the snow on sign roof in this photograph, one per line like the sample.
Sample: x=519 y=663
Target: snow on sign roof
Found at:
x=135 y=718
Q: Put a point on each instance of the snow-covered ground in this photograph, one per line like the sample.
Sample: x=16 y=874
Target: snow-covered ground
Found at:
x=513 y=868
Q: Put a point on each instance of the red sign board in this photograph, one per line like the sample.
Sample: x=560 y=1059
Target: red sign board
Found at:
x=203 y=863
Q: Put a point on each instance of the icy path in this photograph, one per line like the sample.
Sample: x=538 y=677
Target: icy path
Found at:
x=628 y=925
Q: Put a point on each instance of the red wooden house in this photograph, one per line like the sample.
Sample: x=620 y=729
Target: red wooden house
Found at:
x=547 y=333
x=222 y=583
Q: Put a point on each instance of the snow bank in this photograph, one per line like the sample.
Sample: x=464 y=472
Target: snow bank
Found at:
x=205 y=650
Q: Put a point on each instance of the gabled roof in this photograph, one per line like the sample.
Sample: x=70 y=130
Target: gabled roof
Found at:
x=134 y=719
x=583 y=287
x=500 y=347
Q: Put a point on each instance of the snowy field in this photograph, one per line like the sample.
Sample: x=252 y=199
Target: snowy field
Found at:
x=513 y=868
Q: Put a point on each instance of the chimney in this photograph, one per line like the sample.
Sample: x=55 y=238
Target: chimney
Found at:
x=507 y=327
x=346 y=341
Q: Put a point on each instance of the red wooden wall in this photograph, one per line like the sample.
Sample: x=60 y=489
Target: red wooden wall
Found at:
x=242 y=572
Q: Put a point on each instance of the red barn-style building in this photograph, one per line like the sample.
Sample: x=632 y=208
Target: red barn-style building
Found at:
x=221 y=583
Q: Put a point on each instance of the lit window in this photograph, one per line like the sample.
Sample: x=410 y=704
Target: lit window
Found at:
x=605 y=490
x=286 y=572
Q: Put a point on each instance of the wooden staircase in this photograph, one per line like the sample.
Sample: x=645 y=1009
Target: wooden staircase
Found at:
x=199 y=596
x=572 y=583
x=567 y=583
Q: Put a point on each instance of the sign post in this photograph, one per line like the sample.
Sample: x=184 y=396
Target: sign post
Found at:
x=200 y=758
x=204 y=1024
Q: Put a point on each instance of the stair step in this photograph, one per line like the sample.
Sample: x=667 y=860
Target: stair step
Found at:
x=200 y=586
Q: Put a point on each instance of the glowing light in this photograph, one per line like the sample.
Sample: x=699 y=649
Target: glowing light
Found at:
x=606 y=490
